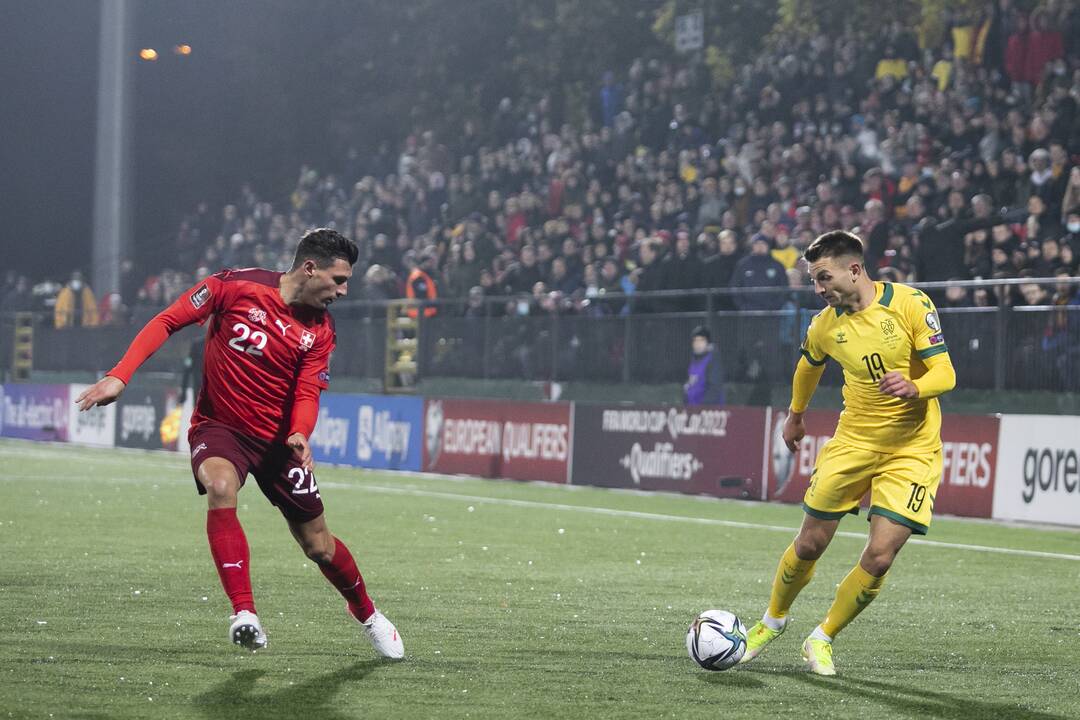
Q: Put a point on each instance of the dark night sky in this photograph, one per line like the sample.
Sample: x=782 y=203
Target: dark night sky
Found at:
x=48 y=73
x=201 y=125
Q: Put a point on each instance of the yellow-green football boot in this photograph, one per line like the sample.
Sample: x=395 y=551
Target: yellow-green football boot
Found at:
x=758 y=637
x=818 y=656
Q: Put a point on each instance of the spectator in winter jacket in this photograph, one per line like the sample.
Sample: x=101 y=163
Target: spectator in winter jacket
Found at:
x=759 y=269
x=705 y=381
x=75 y=304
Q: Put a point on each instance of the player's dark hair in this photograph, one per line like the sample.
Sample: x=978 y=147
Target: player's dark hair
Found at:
x=324 y=246
x=834 y=244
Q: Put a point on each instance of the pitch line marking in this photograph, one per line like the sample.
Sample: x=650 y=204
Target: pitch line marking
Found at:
x=611 y=512
x=614 y=512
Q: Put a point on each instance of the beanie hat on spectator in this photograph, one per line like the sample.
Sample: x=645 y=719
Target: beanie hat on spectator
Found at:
x=702 y=331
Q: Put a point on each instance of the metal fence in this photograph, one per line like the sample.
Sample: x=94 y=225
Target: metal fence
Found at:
x=643 y=339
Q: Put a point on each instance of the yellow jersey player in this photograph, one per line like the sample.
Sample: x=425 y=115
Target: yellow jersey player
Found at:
x=887 y=338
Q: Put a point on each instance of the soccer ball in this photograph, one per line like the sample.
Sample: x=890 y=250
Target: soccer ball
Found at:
x=716 y=640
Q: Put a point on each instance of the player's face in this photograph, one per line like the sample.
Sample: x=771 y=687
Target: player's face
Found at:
x=834 y=279
x=325 y=285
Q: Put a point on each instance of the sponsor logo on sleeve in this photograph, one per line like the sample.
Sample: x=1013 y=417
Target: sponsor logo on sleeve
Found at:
x=937 y=339
x=200 y=296
x=932 y=322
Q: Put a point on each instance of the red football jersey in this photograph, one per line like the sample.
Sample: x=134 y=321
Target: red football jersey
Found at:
x=261 y=354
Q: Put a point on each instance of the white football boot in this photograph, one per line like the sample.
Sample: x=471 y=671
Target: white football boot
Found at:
x=246 y=631
x=382 y=634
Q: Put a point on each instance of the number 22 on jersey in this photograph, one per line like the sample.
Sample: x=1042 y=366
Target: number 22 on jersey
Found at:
x=247 y=340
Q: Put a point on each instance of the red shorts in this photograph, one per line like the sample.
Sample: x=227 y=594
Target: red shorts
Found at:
x=281 y=478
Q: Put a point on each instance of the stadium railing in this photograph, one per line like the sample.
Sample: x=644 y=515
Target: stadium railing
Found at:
x=642 y=338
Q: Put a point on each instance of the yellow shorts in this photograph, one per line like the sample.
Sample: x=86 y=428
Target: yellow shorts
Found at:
x=902 y=485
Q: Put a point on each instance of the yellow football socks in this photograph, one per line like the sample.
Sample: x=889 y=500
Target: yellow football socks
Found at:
x=855 y=592
x=792 y=575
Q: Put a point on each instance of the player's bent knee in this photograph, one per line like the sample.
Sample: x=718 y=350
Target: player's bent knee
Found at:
x=316 y=542
x=877 y=561
x=318 y=550
x=320 y=556
x=220 y=482
x=811 y=546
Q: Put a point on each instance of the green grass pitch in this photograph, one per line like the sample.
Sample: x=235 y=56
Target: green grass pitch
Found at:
x=514 y=600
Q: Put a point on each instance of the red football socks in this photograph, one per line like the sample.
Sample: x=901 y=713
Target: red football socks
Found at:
x=343 y=574
x=229 y=547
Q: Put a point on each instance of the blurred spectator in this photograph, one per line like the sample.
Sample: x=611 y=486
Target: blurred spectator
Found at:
x=759 y=269
x=76 y=305
x=420 y=285
x=112 y=310
x=561 y=281
x=379 y=284
x=719 y=269
x=611 y=99
x=648 y=277
x=941 y=244
x=522 y=276
x=682 y=271
x=17 y=296
x=705 y=381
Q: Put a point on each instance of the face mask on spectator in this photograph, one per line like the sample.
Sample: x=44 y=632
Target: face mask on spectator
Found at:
x=1074 y=227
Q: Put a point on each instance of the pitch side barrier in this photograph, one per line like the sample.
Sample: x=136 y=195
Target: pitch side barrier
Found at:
x=1007 y=467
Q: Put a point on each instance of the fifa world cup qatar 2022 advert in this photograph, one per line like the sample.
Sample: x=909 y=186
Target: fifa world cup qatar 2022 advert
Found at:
x=697 y=450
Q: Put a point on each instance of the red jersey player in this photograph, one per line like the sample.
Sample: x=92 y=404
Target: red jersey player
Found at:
x=266 y=361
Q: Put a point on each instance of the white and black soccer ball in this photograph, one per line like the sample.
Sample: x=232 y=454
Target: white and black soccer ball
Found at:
x=716 y=640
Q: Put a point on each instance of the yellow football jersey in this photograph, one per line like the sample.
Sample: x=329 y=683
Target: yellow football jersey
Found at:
x=896 y=332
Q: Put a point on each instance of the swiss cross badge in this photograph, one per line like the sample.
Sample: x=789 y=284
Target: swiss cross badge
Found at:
x=307 y=340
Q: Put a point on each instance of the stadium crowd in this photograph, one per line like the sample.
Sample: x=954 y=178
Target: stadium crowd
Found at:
x=956 y=161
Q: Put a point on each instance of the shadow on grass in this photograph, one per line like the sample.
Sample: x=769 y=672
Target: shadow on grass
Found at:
x=731 y=679
x=919 y=701
x=313 y=698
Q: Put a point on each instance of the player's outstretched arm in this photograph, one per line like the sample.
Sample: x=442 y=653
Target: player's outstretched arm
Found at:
x=193 y=306
x=103 y=392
